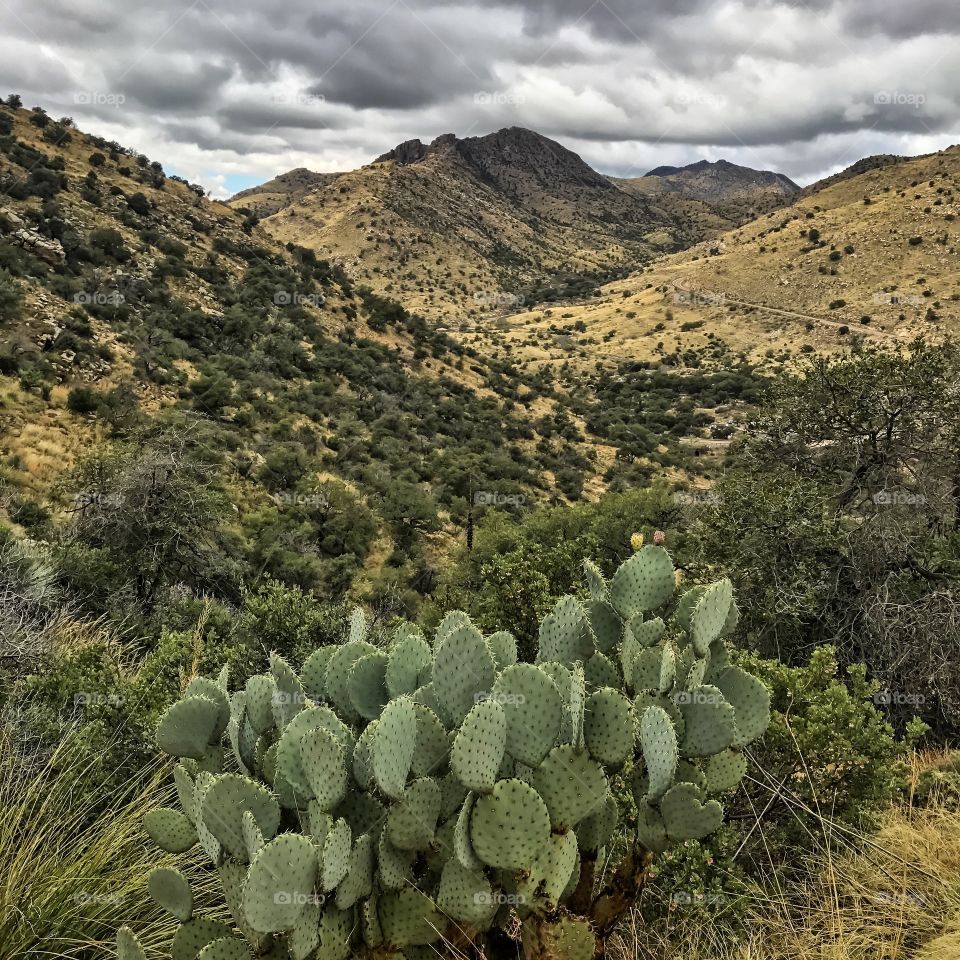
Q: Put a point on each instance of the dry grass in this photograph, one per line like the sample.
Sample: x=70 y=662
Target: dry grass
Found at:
x=894 y=896
x=74 y=858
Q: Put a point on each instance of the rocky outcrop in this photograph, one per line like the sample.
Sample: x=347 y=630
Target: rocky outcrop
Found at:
x=12 y=224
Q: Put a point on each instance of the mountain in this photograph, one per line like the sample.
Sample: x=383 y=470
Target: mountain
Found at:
x=734 y=193
x=457 y=227
x=872 y=254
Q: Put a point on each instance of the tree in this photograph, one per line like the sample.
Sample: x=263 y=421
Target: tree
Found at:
x=842 y=521
x=13 y=101
x=97 y=160
x=151 y=511
x=39 y=117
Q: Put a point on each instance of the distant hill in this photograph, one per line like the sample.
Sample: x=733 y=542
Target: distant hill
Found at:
x=456 y=226
x=287 y=188
x=734 y=193
x=873 y=252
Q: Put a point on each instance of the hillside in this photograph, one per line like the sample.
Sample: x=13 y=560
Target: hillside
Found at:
x=732 y=193
x=131 y=304
x=461 y=227
x=872 y=254
x=135 y=310
x=283 y=190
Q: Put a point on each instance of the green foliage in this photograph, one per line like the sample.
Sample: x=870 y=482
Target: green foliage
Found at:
x=82 y=400
x=478 y=763
x=11 y=300
x=841 y=521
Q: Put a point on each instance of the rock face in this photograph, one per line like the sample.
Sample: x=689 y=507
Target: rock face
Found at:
x=50 y=251
x=410 y=151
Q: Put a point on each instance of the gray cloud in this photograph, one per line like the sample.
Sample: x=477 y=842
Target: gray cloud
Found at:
x=215 y=88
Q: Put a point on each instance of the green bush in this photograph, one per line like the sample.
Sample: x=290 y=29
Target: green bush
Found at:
x=83 y=400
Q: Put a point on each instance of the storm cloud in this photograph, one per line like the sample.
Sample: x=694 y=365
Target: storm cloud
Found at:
x=220 y=91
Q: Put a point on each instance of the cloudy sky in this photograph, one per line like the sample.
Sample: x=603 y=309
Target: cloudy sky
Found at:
x=229 y=94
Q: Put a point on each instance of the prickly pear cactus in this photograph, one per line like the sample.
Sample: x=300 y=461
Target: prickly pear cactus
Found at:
x=381 y=800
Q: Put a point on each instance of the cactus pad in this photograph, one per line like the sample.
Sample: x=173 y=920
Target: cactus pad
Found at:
x=606 y=625
x=412 y=823
x=338 y=674
x=543 y=883
x=321 y=757
x=188 y=727
x=313 y=675
x=600 y=671
x=465 y=895
x=577 y=705
x=567 y=938
x=393 y=745
x=724 y=771
x=685 y=814
x=597 y=830
x=279 y=882
x=394 y=863
x=534 y=711
x=462 y=845
x=169 y=888
x=651 y=831
x=463 y=671
x=128 y=946
x=227 y=948
x=407 y=657
x=750 y=700
x=571 y=784
x=433 y=745
x=367 y=686
x=509 y=826
x=565 y=634
x=191 y=937
x=336 y=855
x=223 y=806
x=289 y=697
x=608 y=727
x=170 y=830
x=410 y=918
x=358 y=882
x=478 y=748
x=659 y=743
x=260 y=690
x=643 y=582
x=709 y=722
x=708 y=617
x=503 y=646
